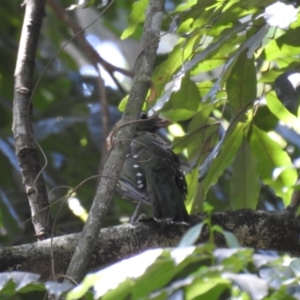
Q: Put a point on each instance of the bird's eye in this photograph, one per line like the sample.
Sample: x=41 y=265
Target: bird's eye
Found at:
x=143 y=116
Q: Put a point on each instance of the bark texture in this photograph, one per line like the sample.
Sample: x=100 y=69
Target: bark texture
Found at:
x=25 y=143
x=114 y=163
x=257 y=229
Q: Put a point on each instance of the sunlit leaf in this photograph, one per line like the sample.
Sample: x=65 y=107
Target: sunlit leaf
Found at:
x=256 y=287
x=188 y=96
x=241 y=85
x=244 y=183
x=136 y=17
x=191 y=236
x=225 y=157
x=231 y=240
x=270 y=157
x=277 y=108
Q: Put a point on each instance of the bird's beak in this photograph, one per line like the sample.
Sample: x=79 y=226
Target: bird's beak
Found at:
x=163 y=122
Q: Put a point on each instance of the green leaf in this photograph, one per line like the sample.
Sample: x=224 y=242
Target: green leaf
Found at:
x=256 y=287
x=179 y=114
x=225 y=157
x=295 y=266
x=117 y=280
x=188 y=96
x=244 y=182
x=241 y=85
x=136 y=17
x=252 y=43
x=213 y=47
x=277 y=108
x=159 y=274
x=202 y=131
x=195 y=196
x=191 y=236
x=200 y=286
x=185 y=5
x=274 y=164
x=231 y=240
x=123 y=103
x=273 y=51
x=265 y=119
x=164 y=72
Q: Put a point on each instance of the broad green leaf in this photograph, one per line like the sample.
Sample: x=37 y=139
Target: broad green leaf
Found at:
x=241 y=85
x=273 y=51
x=179 y=114
x=200 y=139
x=289 y=38
x=231 y=239
x=185 y=5
x=164 y=72
x=277 y=108
x=201 y=15
x=195 y=197
x=225 y=157
x=295 y=266
x=240 y=116
x=244 y=183
x=213 y=47
x=274 y=164
x=202 y=117
x=200 y=286
x=256 y=287
x=136 y=17
x=123 y=103
x=201 y=143
x=252 y=43
x=265 y=119
x=188 y=96
x=159 y=274
x=191 y=236
x=219 y=58
x=227 y=257
x=117 y=279
x=17 y=282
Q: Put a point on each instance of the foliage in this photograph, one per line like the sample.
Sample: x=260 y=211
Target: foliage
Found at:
x=238 y=141
x=216 y=84
x=186 y=271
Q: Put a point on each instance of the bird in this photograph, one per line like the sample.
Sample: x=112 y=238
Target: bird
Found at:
x=151 y=173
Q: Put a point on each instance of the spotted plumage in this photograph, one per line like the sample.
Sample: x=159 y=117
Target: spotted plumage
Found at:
x=151 y=173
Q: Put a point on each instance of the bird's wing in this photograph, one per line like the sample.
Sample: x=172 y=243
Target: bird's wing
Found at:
x=165 y=182
x=132 y=182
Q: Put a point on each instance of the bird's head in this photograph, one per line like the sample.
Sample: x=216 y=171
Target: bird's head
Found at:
x=151 y=123
x=147 y=122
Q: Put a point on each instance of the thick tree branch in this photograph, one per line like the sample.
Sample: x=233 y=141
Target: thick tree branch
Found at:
x=22 y=128
x=258 y=229
x=113 y=166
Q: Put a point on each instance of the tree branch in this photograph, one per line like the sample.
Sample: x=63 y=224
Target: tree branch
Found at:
x=22 y=128
x=113 y=166
x=258 y=229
